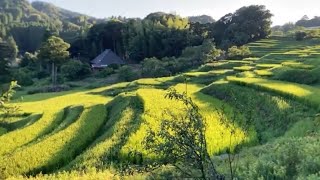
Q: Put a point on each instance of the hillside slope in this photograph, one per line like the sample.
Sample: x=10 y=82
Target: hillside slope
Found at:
x=282 y=140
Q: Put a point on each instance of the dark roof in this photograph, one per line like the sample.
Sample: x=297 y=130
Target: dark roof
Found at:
x=106 y=58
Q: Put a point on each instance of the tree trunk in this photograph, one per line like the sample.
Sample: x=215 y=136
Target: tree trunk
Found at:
x=56 y=75
x=52 y=73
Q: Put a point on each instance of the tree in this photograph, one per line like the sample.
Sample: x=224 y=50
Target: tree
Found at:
x=75 y=69
x=181 y=140
x=239 y=52
x=247 y=24
x=210 y=52
x=153 y=67
x=5 y=97
x=7 y=53
x=54 y=51
x=12 y=43
x=126 y=73
x=300 y=35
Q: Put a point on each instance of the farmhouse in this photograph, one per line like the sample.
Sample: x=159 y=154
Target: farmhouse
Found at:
x=105 y=59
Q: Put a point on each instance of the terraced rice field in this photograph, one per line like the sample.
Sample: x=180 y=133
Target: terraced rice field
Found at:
x=92 y=133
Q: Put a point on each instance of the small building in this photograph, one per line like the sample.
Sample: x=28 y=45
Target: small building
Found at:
x=105 y=59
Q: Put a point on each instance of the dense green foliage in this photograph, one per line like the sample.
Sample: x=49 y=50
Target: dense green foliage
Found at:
x=203 y=19
x=247 y=24
x=235 y=52
x=74 y=70
x=289 y=158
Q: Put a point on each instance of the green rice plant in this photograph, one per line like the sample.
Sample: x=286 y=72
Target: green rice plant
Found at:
x=223 y=64
x=57 y=149
x=71 y=115
x=304 y=93
x=297 y=65
x=3 y=131
x=301 y=76
x=243 y=68
x=246 y=74
x=51 y=107
x=271 y=115
x=123 y=119
x=209 y=73
x=12 y=125
x=267 y=66
x=153 y=81
x=155 y=104
x=252 y=59
x=263 y=72
x=11 y=143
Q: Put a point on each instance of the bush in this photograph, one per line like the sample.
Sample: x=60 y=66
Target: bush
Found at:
x=105 y=72
x=28 y=60
x=126 y=73
x=300 y=35
x=153 y=67
x=23 y=76
x=239 y=52
x=42 y=74
x=284 y=159
x=114 y=66
x=74 y=70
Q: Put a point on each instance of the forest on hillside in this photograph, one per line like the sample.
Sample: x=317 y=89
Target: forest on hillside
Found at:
x=165 y=37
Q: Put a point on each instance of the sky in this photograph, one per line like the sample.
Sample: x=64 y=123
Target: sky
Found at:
x=283 y=10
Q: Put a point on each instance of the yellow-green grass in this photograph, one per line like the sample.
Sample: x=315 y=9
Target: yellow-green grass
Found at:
x=243 y=68
x=123 y=118
x=263 y=72
x=155 y=104
x=306 y=93
x=57 y=149
x=52 y=114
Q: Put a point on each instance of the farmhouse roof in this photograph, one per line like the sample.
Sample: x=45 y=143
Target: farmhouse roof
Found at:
x=106 y=58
